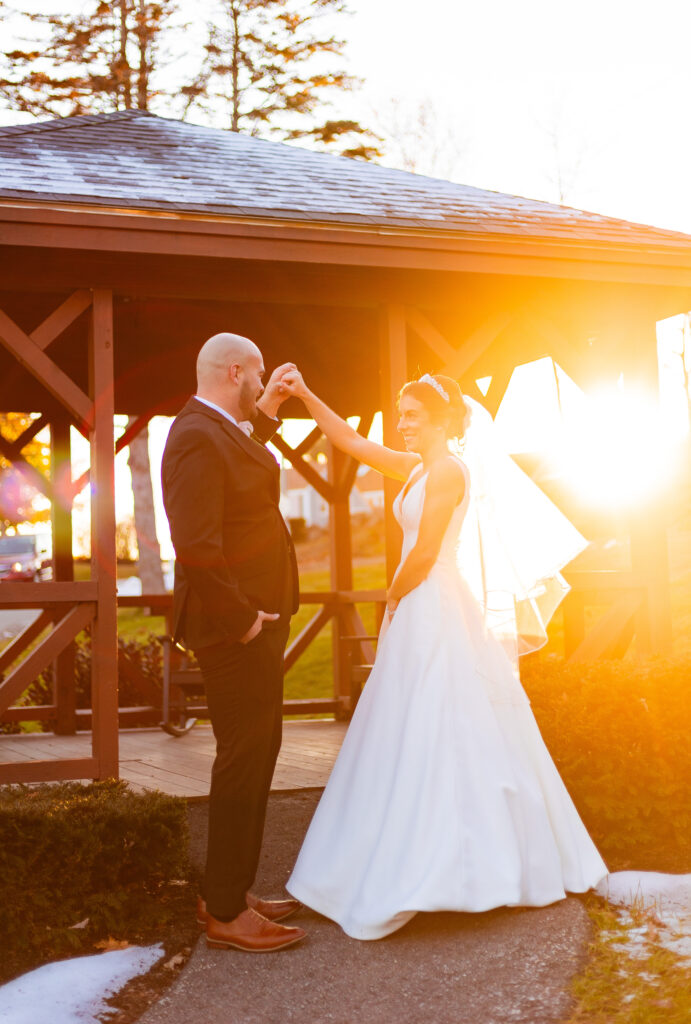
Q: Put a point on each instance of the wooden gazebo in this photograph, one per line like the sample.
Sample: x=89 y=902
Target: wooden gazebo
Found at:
x=127 y=239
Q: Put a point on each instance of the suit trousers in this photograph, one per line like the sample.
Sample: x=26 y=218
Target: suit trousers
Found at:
x=244 y=690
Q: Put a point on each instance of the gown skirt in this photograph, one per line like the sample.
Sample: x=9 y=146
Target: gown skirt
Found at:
x=444 y=796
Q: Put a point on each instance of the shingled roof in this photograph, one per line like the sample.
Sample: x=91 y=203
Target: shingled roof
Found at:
x=136 y=160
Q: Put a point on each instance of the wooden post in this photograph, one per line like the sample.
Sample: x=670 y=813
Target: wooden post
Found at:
x=341 y=573
x=63 y=569
x=104 y=640
x=393 y=372
x=648 y=524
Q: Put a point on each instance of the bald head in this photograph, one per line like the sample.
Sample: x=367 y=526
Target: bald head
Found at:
x=219 y=354
x=229 y=374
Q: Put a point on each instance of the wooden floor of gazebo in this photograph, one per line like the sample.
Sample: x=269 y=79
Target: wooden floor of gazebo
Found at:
x=150 y=759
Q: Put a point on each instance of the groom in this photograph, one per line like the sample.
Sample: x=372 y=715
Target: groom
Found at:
x=236 y=587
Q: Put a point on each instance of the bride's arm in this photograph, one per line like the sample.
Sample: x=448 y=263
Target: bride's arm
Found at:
x=385 y=460
x=444 y=489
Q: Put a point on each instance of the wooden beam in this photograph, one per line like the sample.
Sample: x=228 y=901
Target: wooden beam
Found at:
x=308 y=442
x=122 y=442
x=313 y=706
x=104 y=637
x=32 y=475
x=341 y=565
x=307 y=472
x=40 y=366
x=65 y=686
x=351 y=466
x=393 y=373
x=358 y=245
x=44 y=595
x=472 y=347
x=355 y=624
x=35 y=427
x=61 y=318
x=606 y=633
x=31 y=667
x=306 y=636
x=55 y=771
x=428 y=333
x=23 y=639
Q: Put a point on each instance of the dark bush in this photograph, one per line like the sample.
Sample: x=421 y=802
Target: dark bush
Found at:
x=71 y=853
x=619 y=732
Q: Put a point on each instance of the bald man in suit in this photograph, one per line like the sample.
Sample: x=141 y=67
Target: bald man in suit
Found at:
x=236 y=586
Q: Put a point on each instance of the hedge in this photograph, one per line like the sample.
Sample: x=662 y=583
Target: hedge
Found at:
x=620 y=734
x=71 y=853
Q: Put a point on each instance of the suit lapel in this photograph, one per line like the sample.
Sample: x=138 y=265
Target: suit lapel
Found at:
x=252 y=448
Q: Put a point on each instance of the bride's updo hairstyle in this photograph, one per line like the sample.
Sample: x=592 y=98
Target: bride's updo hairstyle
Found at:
x=430 y=390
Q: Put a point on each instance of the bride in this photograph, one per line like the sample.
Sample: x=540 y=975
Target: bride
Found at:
x=444 y=796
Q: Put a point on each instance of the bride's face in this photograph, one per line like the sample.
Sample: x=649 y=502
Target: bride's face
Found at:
x=415 y=425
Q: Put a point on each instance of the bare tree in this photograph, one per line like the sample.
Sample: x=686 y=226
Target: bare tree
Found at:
x=105 y=57
x=570 y=151
x=271 y=67
x=149 y=560
x=419 y=137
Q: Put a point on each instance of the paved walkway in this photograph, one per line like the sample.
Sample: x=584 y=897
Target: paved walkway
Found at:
x=503 y=967
x=151 y=759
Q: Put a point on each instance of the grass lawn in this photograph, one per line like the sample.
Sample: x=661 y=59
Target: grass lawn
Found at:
x=312 y=674
x=630 y=978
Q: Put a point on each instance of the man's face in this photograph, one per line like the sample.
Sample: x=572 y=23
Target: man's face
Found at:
x=251 y=386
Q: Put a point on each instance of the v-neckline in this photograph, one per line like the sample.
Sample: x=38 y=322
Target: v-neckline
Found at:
x=409 y=484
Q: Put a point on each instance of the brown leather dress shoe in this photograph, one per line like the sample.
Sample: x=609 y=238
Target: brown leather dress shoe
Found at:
x=272 y=910
x=250 y=932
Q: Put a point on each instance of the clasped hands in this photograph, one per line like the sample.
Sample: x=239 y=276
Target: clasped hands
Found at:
x=284 y=382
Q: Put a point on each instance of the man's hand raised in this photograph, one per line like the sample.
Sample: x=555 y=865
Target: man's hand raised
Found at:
x=257 y=626
x=274 y=392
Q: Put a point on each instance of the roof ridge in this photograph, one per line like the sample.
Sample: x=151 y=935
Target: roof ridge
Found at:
x=73 y=121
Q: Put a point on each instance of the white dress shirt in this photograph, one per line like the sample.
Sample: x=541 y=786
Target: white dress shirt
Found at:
x=244 y=425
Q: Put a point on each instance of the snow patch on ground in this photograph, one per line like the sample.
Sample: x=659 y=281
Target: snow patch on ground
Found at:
x=661 y=902
x=73 y=991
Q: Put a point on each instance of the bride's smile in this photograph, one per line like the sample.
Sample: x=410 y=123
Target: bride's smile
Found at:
x=420 y=434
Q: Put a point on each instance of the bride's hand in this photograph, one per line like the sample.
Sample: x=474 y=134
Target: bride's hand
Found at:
x=294 y=383
x=391 y=606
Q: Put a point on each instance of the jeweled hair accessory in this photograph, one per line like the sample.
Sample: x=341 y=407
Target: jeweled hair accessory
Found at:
x=429 y=379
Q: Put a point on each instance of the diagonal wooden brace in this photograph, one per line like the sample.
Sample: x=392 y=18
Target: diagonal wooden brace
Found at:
x=306 y=471
x=25 y=673
x=32 y=357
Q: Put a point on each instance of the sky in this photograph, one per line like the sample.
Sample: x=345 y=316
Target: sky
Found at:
x=580 y=101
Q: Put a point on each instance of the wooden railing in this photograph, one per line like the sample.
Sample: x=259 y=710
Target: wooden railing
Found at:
x=58 y=601
x=70 y=608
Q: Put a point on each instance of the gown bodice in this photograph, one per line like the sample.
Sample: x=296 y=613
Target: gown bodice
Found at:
x=408 y=508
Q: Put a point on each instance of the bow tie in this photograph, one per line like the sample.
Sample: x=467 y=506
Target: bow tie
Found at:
x=246 y=427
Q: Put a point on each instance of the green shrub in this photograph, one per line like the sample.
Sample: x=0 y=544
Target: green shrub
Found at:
x=74 y=852
x=620 y=734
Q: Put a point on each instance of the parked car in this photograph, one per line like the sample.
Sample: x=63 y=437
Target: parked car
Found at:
x=22 y=558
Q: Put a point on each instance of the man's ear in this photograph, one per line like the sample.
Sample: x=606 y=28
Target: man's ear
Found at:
x=234 y=372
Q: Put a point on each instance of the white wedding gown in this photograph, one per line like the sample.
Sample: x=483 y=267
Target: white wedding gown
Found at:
x=443 y=796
